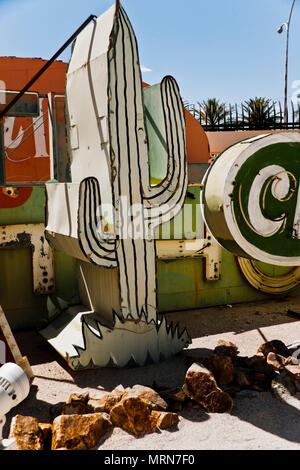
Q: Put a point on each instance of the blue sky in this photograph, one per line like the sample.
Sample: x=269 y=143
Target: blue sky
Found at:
x=228 y=49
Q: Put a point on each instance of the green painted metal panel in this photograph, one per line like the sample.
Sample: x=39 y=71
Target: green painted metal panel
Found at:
x=23 y=308
x=155 y=125
x=31 y=212
x=20 y=305
x=182 y=284
x=188 y=224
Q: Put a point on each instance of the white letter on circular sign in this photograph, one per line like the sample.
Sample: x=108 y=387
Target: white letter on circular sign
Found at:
x=296 y=226
x=280 y=186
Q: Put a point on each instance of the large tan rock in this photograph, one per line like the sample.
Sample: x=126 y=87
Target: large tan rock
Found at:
x=276 y=361
x=56 y=410
x=175 y=397
x=174 y=394
x=276 y=346
x=283 y=384
x=222 y=368
x=133 y=415
x=78 y=397
x=200 y=385
x=244 y=377
x=148 y=396
x=293 y=370
x=226 y=348
x=104 y=401
x=76 y=404
x=258 y=361
x=75 y=408
x=46 y=429
x=27 y=432
x=165 y=419
x=79 y=432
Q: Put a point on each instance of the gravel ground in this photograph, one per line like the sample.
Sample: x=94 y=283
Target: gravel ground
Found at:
x=258 y=421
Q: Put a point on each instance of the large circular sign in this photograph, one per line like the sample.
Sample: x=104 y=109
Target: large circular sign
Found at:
x=251 y=199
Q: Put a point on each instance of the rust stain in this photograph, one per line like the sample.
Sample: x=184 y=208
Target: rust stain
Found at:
x=22 y=240
x=196 y=285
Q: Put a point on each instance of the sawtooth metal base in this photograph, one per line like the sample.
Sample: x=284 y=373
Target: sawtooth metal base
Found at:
x=85 y=341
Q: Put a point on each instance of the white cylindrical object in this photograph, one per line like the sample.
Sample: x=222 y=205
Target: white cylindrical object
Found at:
x=14 y=386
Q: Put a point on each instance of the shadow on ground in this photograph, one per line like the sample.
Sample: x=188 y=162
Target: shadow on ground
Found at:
x=279 y=417
x=238 y=318
x=270 y=413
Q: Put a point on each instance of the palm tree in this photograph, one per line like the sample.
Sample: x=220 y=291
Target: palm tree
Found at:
x=186 y=104
x=190 y=107
x=259 y=113
x=296 y=111
x=211 y=112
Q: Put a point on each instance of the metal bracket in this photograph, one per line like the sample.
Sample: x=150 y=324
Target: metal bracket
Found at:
x=205 y=247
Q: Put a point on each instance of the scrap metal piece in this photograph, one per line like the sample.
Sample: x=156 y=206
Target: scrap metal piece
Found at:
x=86 y=341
